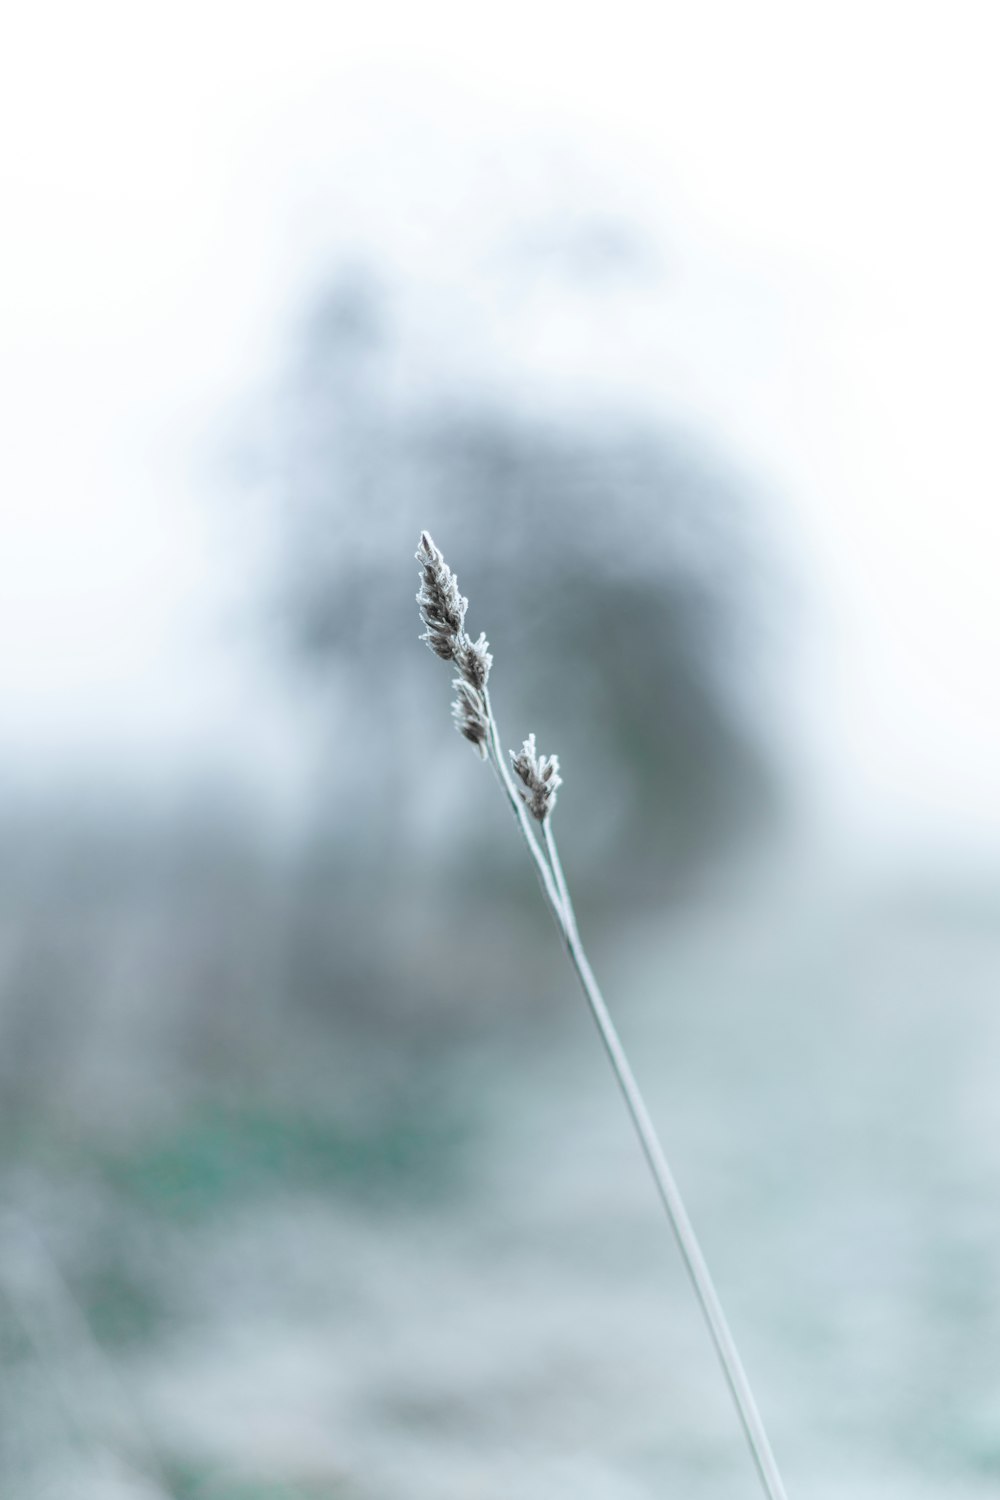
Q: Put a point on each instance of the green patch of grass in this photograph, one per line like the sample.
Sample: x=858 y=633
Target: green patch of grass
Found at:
x=188 y=1481
x=224 y=1156
x=121 y=1306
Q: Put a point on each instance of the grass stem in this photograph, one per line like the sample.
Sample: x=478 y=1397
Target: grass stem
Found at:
x=670 y=1196
x=442 y=610
x=553 y=881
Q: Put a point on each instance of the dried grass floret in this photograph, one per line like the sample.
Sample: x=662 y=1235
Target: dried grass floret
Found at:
x=473 y=660
x=442 y=607
x=442 y=610
x=539 y=778
x=469 y=713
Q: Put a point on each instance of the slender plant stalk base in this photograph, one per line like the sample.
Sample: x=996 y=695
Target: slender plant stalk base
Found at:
x=553 y=883
x=687 y=1241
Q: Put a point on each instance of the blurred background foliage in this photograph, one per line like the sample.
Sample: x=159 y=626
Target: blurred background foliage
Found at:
x=617 y=570
x=613 y=565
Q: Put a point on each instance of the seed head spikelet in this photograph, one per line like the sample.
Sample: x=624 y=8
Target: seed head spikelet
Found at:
x=442 y=608
x=530 y=786
x=473 y=660
x=539 y=778
x=469 y=713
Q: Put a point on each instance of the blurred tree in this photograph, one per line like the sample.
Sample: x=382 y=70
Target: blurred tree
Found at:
x=607 y=562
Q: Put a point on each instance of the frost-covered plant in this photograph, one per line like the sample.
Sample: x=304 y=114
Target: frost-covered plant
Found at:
x=539 y=778
x=531 y=792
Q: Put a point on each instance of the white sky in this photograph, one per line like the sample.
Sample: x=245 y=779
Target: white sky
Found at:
x=822 y=181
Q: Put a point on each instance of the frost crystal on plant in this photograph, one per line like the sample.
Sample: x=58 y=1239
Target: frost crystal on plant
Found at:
x=469 y=712
x=473 y=660
x=539 y=778
x=442 y=608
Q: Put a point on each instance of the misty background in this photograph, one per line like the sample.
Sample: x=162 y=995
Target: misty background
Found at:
x=675 y=328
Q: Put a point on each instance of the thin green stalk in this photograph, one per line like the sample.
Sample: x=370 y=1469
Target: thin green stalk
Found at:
x=549 y=839
x=553 y=881
x=694 y=1260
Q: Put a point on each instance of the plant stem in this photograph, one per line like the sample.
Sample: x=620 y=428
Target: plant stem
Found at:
x=545 y=875
x=549 y=840
x=553 y=881
x=691 y=1253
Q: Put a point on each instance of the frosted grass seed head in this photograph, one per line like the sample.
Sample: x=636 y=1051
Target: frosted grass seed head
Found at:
x=473 y=660
x=442 y=608
x=469 y=713
x=539 y=778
